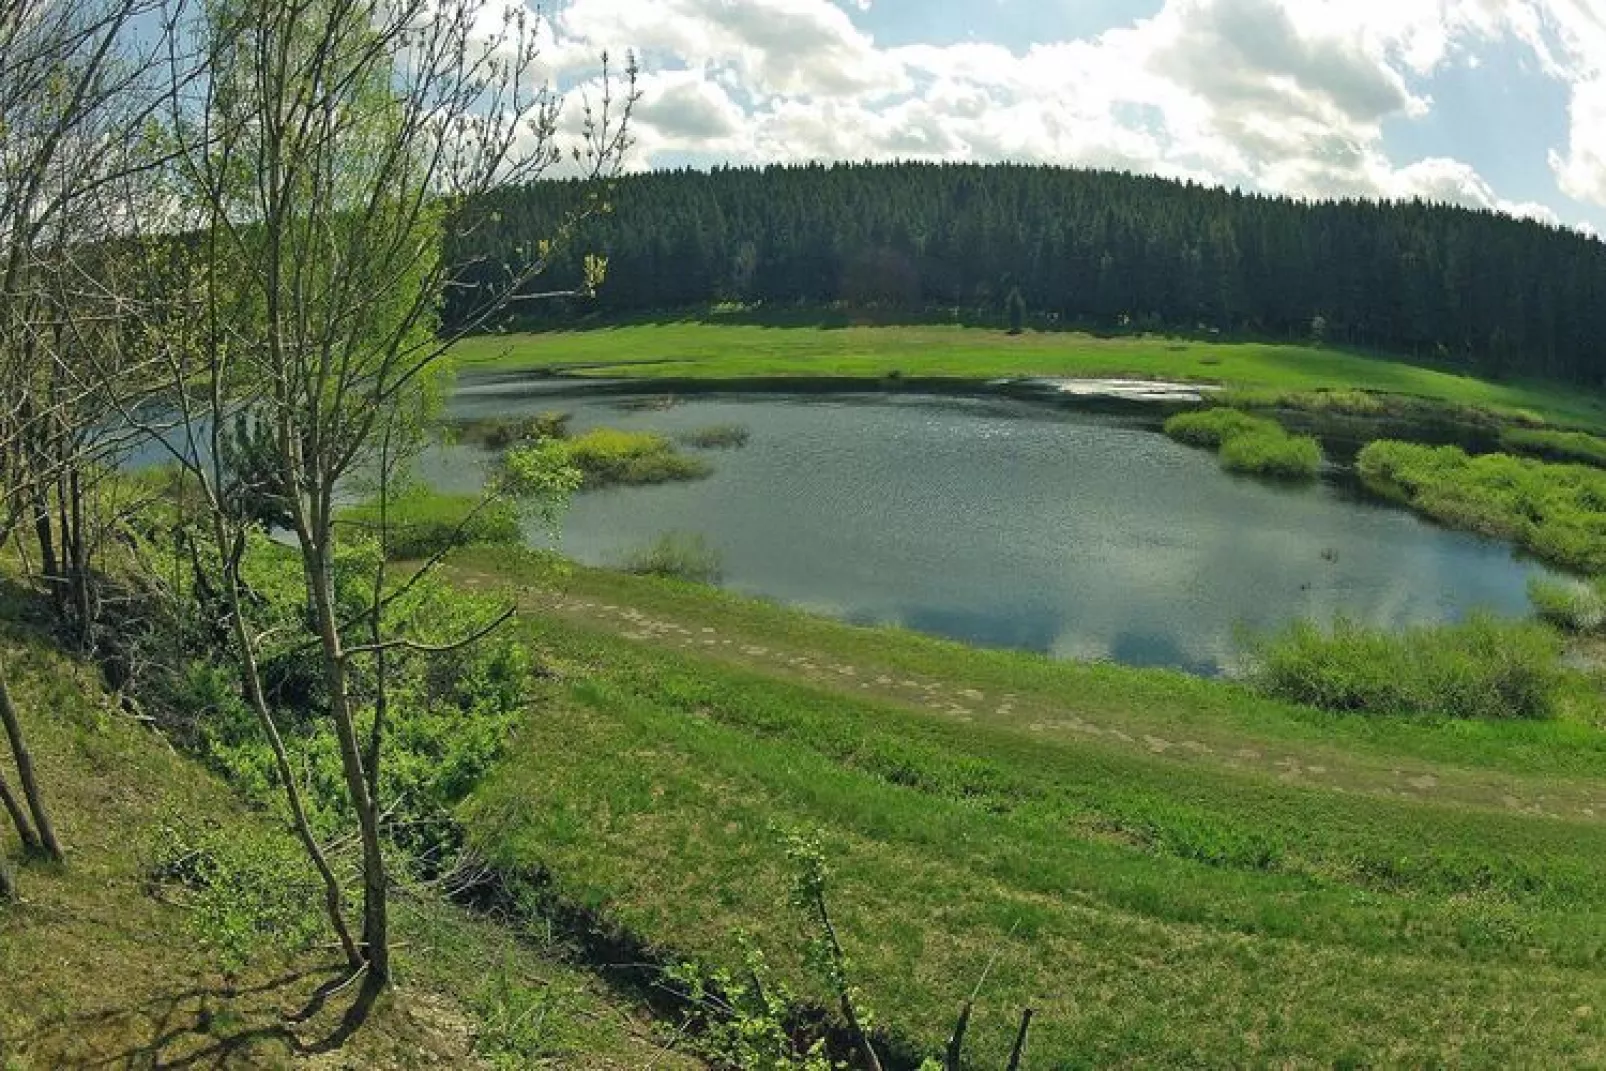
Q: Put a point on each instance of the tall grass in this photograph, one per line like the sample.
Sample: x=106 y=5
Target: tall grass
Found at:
x=1248 y=444
x=1290 y=457
x=608 y=456
x=1570 y=605
x=1556 y=511
x=1213 y=427
x=1482 y=668
x=422 y=522
x=681 y=555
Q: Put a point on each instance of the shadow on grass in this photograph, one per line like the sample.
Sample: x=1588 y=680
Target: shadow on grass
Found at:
x=205 y=1026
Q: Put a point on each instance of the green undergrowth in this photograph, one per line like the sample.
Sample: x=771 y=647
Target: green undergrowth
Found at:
x=1248 y=444
x=1555 y=511
x=177 y=932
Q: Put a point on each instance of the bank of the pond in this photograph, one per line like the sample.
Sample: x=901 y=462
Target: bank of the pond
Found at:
x=701 y=350
x=1180 y=847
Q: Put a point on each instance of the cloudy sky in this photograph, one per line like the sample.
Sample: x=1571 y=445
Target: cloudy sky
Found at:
x=1497 y=103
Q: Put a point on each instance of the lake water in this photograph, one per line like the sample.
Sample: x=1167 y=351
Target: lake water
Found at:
x=1013 y=523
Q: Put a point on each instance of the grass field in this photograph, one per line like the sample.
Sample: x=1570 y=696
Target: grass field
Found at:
x=1171 y=870
x=703 y=350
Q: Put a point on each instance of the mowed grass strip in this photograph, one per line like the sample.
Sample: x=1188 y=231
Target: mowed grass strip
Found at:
x=1153 y=914
x=704 y=350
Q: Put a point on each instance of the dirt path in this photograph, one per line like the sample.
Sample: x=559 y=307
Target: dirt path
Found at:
x=1332 y=768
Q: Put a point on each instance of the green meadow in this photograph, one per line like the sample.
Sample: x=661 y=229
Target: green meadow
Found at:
x=709 y=349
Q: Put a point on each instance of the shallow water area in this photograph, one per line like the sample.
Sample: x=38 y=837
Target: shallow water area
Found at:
x=1008 y=523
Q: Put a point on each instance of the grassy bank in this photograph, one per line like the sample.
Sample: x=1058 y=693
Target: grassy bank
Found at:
x=704 y=350
x=1169 y=869
x=1556 y=511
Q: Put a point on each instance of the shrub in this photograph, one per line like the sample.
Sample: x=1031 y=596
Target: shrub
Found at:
x=1212 y=427
x=1482 y=668
x=682 y=555
x=1280 y=455
x=1248 y=444
x=610 y=456
x=715 y=436
x=421 y=523
x=1571 y=606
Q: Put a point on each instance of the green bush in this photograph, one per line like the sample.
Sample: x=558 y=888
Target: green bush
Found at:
x=1265 y=454
x=1555 y=445
x=1572 y=606
x=1482 y=668
x=1556 y=511
x=1213 y=427
x=682 y=555
x=421 y=523
x=609 y=456
x=715 y=437
x=1248 y=444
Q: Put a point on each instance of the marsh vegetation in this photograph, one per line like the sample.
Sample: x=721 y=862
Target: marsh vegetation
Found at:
x=1248 y=444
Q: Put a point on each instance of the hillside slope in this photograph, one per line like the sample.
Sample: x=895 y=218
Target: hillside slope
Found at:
x=95 y=970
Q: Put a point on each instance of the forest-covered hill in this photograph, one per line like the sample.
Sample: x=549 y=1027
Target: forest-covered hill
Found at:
x=1473 y=288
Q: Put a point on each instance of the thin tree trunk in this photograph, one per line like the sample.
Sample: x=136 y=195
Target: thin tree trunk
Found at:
x=8 y=885
x=19 y=818
x=25 y=772
x=375 y=882
x=1016 y=1053
x=80 y=574
x=333 y=896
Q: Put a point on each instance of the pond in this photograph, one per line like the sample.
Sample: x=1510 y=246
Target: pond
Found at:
x=1010 y=523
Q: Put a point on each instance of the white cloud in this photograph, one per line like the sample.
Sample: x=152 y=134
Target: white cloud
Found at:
x=686 y=107
x=779 y=46
x=1581 y=170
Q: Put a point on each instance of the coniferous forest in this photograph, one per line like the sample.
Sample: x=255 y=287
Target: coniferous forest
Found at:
x=1476 y=289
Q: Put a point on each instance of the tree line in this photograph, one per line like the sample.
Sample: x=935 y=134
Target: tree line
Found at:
x=1475 y=289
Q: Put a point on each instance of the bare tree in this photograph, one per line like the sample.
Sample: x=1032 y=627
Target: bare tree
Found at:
x=319 y=167
x=66 y=113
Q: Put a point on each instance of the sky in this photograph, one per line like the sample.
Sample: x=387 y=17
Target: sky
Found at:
x=1486 y=103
